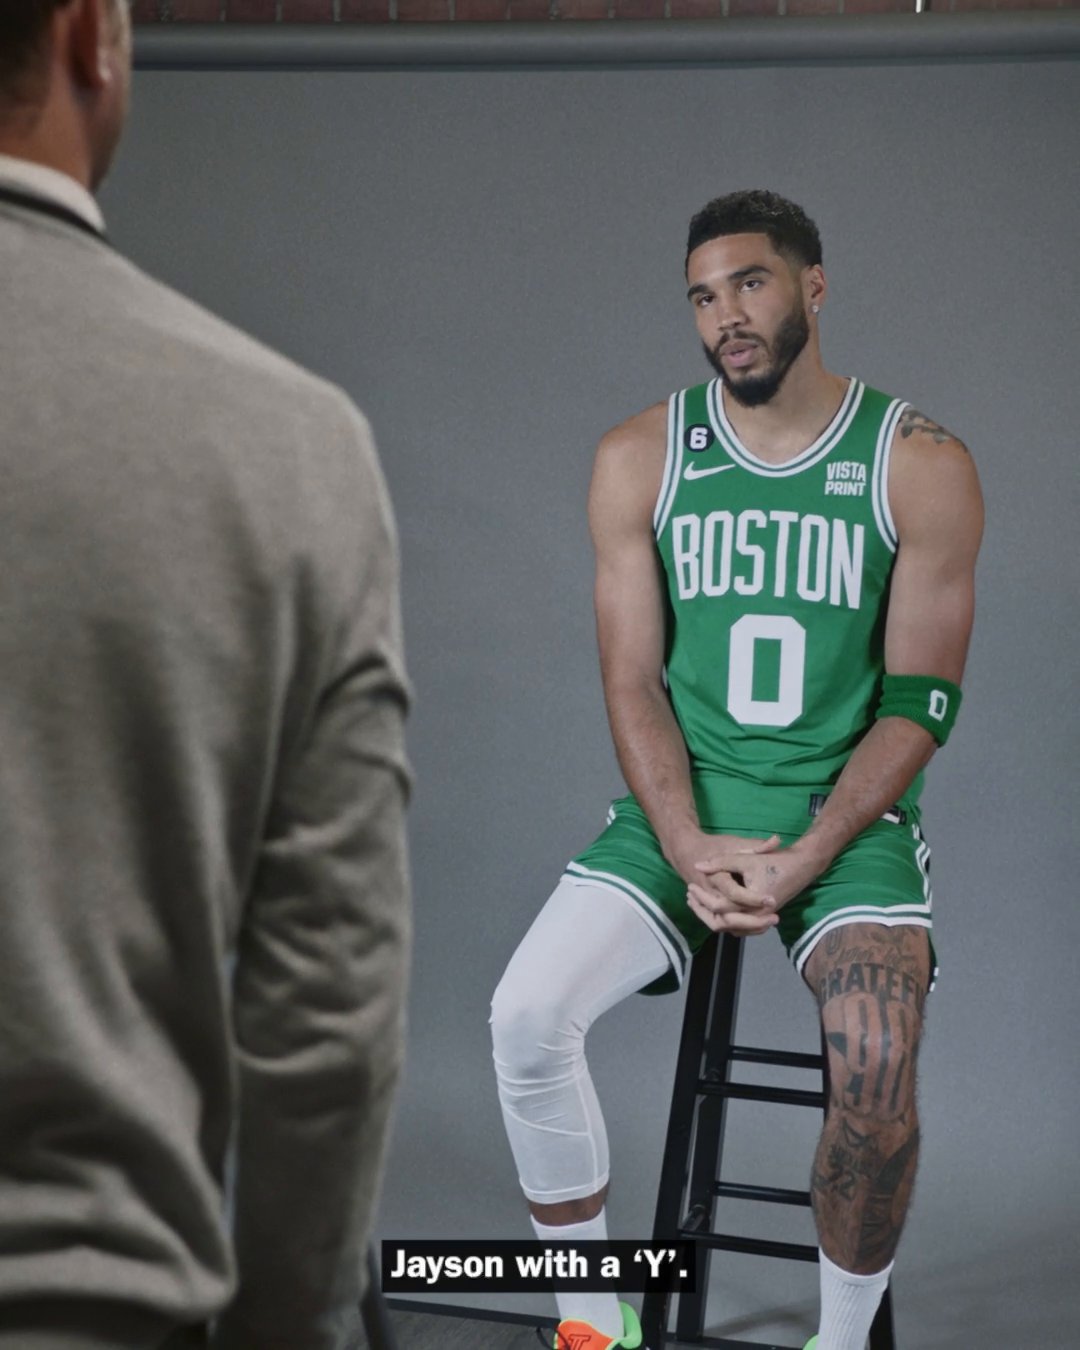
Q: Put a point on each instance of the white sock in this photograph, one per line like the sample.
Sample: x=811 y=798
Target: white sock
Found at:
x=848 y=1305
x=601 y=1311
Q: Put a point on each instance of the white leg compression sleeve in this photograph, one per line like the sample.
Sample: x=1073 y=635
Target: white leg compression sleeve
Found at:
x=586 y=950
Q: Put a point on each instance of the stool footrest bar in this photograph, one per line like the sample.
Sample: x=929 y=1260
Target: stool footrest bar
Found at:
x=790 y=1058
x=772 y=1195
x=753 y=1092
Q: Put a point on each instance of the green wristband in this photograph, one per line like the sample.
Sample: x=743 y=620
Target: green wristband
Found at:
x=931 y=702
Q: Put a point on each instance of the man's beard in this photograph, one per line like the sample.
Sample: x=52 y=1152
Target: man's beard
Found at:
x=754 y=390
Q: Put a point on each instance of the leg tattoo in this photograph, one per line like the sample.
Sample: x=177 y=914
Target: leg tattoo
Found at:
x=871 y=987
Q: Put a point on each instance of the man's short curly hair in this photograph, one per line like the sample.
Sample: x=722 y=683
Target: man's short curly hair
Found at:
x=790 y=230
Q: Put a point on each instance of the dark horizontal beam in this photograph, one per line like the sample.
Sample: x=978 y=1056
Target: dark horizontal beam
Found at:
x=729 y=1242
x=1024 y=35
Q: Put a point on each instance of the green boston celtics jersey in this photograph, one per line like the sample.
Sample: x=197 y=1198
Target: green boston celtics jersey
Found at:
x=777 y=578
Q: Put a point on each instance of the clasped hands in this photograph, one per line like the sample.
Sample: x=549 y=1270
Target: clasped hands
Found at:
x=738 y=885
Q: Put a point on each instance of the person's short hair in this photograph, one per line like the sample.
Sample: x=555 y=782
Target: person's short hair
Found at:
x=789 y=229
x=23 y=25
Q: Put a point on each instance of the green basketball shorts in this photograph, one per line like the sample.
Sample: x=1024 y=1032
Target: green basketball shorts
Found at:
x=881 y=877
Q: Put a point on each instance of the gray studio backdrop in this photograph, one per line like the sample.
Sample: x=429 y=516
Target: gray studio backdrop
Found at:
x=490 y=263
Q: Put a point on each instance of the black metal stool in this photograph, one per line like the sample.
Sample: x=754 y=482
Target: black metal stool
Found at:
x=691 y=1174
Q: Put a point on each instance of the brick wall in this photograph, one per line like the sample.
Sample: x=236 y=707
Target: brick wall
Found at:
x=402 y=11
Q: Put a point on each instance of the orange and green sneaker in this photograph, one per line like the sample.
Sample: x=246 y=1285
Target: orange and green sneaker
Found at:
x=574 y=1335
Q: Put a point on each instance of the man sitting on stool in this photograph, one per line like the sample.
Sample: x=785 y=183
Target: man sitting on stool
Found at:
x=784 y=597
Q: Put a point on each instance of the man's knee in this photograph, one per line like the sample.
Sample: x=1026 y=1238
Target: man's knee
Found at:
x=872 y=1046
x=529 y=1031
x=871 y=984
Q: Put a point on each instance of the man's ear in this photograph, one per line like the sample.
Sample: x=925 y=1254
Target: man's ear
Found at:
x=87 y=36
x=815 y=287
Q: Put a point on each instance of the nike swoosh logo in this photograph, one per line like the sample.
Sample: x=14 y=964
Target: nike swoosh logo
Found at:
x=692 y=472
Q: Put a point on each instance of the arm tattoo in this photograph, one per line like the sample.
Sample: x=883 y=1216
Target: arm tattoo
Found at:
x=912 y=421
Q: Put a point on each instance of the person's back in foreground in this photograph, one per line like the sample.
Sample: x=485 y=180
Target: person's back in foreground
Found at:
x=203 y=891
x=784 y=598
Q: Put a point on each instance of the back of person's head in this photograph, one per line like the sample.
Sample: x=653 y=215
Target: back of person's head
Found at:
x=789 y=229
x=65 y=73
x=24 y=40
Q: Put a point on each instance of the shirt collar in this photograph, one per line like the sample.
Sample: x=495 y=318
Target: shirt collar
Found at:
x=53 y=185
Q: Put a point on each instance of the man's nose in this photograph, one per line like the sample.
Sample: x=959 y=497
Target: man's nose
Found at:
x=728 y=312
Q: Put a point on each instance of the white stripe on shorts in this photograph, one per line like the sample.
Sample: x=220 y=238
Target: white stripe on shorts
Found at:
x=892 y=916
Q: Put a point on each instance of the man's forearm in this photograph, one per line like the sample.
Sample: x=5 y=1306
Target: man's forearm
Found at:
x=881 y=769
x=652 y=755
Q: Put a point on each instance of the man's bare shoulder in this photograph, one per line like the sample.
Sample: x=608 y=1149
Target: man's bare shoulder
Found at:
x=629 y=469
x=635 y=450
x=642 y=436
x=918 y=437
x=932 y=475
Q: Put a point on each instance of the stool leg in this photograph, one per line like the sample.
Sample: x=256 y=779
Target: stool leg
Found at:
x=669 y=1198
x=881 y=1331
x=709 y=1137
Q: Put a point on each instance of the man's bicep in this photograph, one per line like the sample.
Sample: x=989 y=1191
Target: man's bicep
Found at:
x=630 y=612
x=929 y=622
x=628 y=593
x=932 y=593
